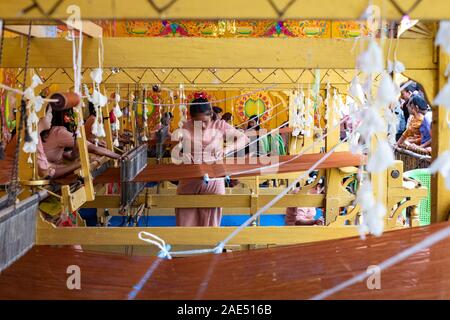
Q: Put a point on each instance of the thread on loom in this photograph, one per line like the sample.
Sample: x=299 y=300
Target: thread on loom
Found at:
x=18 y=228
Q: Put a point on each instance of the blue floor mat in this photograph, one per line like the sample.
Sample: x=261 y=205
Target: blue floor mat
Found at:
x=227 y=221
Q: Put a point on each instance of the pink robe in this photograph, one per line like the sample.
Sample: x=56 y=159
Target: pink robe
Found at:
x=88 y=128
x=294 y=214
x=191 y=217
x=45 y=168
x=58 y=139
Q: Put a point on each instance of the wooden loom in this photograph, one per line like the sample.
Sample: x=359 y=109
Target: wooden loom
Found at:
x=252 y=198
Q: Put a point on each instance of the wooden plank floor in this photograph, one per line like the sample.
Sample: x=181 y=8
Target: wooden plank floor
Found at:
x=293 y=272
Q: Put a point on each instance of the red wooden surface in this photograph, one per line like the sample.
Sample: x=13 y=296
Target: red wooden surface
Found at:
x=291 y=272
x=173 y=172
x=6 y=167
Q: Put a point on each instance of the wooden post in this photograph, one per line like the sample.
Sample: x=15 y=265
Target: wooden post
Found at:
x=440 y=195
x=107 y=125
x=84 y=160
x=334 y=180
x=132 y=115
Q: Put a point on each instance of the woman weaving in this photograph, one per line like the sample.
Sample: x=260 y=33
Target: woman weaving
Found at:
x=46 y=169
x=58 y=139
x=203 y=143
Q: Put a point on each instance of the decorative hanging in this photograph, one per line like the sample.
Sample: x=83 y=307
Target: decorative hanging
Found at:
x=182 y=111
x=356 y=91
x=371 y=60
x=34 y=105
x=388 y=91
x=145 y=115
x=443 y=36
x=395 y=67
x=299 y=112
x=372 y=212
x=99 y=101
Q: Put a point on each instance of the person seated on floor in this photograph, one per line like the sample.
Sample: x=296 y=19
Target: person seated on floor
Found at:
x=306 y=216
x=46 y=169
x=60 y=143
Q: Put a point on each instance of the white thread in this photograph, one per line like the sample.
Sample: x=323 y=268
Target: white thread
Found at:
x=22 y=93
x=290 y=160
x=159 y=242
x=278 y=197
x=221 y=245
x=261 y=114
x=270 y=118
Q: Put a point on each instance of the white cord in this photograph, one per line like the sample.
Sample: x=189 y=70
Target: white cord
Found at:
x=159 y=242
x=221 y=245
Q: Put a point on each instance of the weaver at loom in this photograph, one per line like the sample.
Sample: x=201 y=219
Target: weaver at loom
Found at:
x=205 y=146
x=161 y=194
x=46 y=168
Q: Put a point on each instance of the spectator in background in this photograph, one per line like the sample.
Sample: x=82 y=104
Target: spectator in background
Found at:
x=217 y=113
x=227 y=117
x=412 y=134
x=425 y=127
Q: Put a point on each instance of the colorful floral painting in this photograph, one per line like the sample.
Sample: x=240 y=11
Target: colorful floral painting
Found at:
x=254 y=104
x=234 y=28
x=349 y=29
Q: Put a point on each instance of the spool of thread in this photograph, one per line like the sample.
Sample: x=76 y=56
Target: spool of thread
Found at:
x=156 y=88
x=66 y=100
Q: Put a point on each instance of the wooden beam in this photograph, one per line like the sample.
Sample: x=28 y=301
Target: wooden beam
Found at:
x=89 y=28
x=210 y=236
x=36 y=31
x=211 y=53
x=209 y=201
x=230 y=9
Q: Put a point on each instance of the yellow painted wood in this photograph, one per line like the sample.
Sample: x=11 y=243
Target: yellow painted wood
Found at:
x=440 y=195
x=85 y=169
x=210 y=53
x=73 y=201
x=107 y=125
x=230 y=9
x=89 y=28
x=211 y=201
x=47 y=234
